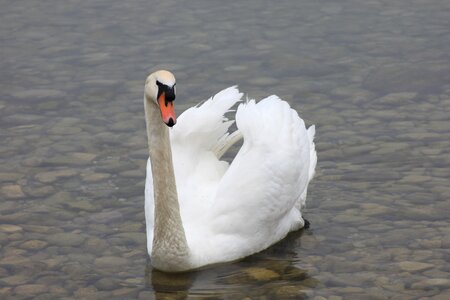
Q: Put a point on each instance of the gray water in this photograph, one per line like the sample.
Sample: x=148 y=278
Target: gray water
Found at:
x=374 y=76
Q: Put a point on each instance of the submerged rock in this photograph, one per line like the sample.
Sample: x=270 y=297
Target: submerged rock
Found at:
x=84 y=205
x=432 y=283
x=414 y=266
x=289 y=292
x=52 y=176
x=34 y=245
x=30 y=289
x=107 y=284
x=113 y=262
x=12 y=191
x=66 y=239
x=9 y=228
x=261 y=274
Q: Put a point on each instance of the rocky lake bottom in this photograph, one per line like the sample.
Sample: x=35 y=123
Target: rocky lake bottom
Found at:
x=374 y=77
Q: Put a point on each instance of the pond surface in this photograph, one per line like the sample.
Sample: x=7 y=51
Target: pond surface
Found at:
x=374 y=76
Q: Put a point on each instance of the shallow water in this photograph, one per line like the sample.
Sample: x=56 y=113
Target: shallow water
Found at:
x=374 y=76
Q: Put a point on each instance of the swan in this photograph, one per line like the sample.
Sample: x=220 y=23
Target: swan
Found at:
x=199 y=209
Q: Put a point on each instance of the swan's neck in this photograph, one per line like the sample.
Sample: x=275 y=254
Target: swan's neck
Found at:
x=170 y=248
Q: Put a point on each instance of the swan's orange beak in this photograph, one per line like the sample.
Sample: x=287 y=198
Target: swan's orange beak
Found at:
x=167 y=111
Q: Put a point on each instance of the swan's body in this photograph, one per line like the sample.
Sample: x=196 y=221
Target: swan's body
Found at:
x=204 y=211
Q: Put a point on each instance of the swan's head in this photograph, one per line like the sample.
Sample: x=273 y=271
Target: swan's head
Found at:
x=160 y=88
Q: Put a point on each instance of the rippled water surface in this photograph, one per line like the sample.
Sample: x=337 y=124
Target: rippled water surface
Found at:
x=374 y=76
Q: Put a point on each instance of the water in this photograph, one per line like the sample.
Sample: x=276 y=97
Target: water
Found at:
x=374 y=76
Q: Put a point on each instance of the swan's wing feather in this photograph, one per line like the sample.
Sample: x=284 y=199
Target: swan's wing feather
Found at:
x=256 y=198
x=198 y=138
x=201 y=127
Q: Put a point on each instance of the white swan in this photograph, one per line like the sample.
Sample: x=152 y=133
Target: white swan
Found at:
x=199 y=210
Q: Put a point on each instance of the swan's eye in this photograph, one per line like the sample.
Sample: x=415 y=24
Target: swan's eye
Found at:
x=170 y=94
x=160 y=88
x=168 y=91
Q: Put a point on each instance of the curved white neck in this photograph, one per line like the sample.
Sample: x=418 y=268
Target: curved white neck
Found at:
x=170 y=249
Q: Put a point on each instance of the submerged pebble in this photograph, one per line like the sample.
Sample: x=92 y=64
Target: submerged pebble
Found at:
x=30 y=289
x=373 y=76
x=413 y=266
x=261 y=274
x=9 y=228
x=442 y=283
x=12 y=191
x=49 y=177
x=34 y=245
x=289 y=292
x=112 y=262
x=66 y=239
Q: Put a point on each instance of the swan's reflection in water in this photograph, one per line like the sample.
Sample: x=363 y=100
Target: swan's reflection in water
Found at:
x=273 y=273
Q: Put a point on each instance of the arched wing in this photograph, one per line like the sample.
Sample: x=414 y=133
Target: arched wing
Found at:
x=199 y=132
x=255 y=203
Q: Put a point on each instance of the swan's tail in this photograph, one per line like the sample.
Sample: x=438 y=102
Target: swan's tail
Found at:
x=312 y=165
x=312 y=151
